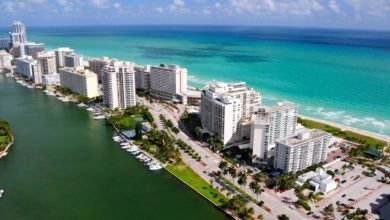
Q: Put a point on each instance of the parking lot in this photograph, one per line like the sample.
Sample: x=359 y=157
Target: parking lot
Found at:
x=358 y=191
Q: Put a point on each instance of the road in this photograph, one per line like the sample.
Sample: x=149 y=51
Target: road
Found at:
x=211 y=161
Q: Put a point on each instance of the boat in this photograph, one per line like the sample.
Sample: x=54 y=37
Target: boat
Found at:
x=139 y=156
x=124 y=144
x=1 y=193
x=155 y=167
x=90 y=109
x=99 y=117
x=135 y=152
x=125 y=147
x=81 y=105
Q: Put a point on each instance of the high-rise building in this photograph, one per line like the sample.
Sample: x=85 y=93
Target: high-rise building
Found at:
x=32 y=49
x=226 y=110
x=5 y=59
x=168 y=82
x=118 y=82
x=142 y=77
x=60 y=54
x=269 y=125
x=73 y=60
x=298 y=152
x=80 y=81
x=47 y=62
x=29 y=68
x=96 y=65
x=18 y=34
x=5 y=43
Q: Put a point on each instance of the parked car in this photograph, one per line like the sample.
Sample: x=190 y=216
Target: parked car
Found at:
x=343 y=181
x=309 y=213
x=352 y=200
x=343 y=196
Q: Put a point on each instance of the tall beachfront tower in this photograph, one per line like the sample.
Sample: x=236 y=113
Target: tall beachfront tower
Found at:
x=60 y=55
x=269 y=125
x=168 y=82
x=298 y=152
x=18 y=34
x=119 y=85
x=226 y=110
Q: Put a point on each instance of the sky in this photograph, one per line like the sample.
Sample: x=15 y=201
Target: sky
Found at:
x=354 y=14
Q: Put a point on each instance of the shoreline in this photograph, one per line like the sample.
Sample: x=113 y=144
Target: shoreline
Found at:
x=4 y=153
x=348 y=128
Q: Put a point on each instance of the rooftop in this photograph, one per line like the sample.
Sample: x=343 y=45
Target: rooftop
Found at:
x=303 y=136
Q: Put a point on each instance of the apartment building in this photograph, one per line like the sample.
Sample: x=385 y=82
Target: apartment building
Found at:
x=298 y=152
x=226 y=110
x=80 y=81
x=118 y=82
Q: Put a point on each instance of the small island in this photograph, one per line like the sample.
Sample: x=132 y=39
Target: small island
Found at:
x=6 y=138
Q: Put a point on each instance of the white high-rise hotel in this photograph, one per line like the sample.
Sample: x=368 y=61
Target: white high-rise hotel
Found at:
x=119 y=85
x=298 y=152
x=269 y=125
x=227 y=108
x=18 y=34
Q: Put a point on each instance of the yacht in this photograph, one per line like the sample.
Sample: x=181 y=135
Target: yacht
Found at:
x=155 y=167
x=99 y=117
x=1 y=193
x=81 y=105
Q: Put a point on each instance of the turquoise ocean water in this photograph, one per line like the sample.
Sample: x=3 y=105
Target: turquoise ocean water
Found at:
x=336 y=75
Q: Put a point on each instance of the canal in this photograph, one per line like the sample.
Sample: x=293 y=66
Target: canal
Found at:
x=64 y=165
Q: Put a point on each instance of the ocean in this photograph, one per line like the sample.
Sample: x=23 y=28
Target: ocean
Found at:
x=341 y=76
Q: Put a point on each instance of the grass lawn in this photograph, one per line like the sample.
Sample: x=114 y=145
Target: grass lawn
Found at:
x=187 y=175
x=3 y=139
x=128 y=121
x=348 y=135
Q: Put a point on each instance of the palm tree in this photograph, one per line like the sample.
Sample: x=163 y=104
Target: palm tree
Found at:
x=232 y=172
x=283 y=217
x=242 y=178
x=222 y=165
x=246 y=213
x=329 y=210
x=254 y=186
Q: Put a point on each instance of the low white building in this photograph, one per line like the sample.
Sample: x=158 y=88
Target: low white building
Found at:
x=5 y=59
x=80 y=81
x=320 y=181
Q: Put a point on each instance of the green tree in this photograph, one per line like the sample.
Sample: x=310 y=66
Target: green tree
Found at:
x=222 y=165
x=329 y=210
x=283 y=217
x=232 y=172
x=242 y=178
x=138 y=130
x=255 y=187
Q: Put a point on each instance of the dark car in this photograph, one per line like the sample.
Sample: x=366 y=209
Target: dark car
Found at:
x=309 y=213
x=352 y=200
x=343 y=181
x=343 y=196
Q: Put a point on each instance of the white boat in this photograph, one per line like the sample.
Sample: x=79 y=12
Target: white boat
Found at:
x=139 y=156
x=1 y=193
x=135 y=152
x=155 y=167
x=81 y=105
x=124 y=143
x=99 y=117
x=125 y=147
x=90 y=109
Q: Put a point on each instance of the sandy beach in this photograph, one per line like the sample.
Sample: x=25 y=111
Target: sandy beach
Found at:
x=345 y=127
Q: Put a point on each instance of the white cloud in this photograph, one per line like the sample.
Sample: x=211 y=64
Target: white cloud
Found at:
x=178 y=6
x=179 y=3
x=116 y=5
x=378 y=8
x=159 y=10
x=295 y=7
x=334 y=6
x=100 y=3
x=217 y=5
